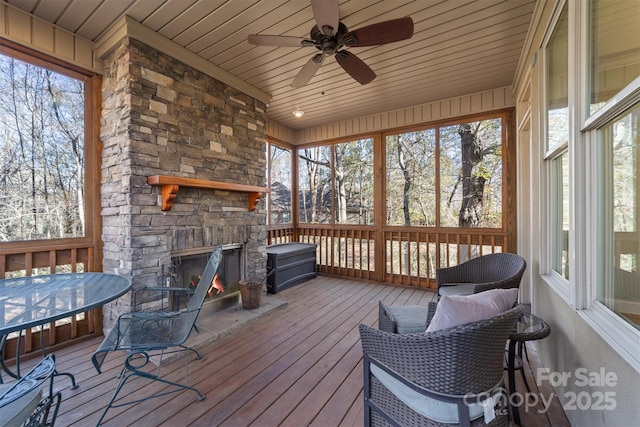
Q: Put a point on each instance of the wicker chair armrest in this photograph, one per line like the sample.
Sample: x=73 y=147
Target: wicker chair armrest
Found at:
x=386 y=321
x=431 y=311
x=512 y=281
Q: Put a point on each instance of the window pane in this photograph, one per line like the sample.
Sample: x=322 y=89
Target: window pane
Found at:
x=557 y=56
x=280 y=195
x=560 y=209
x=314 y=180
x=42 y=146
x=411 y=178
x=353 y=193
x=615 y=48
x=619 y=289
x=471 y=175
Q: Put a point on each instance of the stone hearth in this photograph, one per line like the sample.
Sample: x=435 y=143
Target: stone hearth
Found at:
x=213 y=326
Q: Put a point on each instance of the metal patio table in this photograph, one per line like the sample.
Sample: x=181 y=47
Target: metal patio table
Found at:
x=31 y=301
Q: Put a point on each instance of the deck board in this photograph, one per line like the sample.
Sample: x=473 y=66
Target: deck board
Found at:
x=300 y=365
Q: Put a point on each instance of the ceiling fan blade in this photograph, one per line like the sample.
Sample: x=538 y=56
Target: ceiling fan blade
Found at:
x=308 y=71
x=278 y=41
x=355 y=67
x=327 y=14
x=380 y=33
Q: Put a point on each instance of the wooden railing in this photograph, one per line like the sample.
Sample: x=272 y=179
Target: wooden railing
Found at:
x=48 y=258
x=403 y=256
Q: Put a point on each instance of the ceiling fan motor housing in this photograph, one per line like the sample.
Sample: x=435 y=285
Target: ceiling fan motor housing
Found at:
x=329 y=45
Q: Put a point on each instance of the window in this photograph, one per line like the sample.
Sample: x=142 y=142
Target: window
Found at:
x=353 y=182
x=411 y=181
x=619 y=286
x=557 y=78
x=557 y=144
x=314 y=182
x=471 y=175
x=614 y=48
x=613 y=126
x=42 y=109
x=336 y=183
x=560 y=208
x=448 y=176
x=280 y=184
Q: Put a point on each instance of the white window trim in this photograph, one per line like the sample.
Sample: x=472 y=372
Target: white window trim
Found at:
x=619 y=334
x=624 y=99
x=615 y=331
x=558 y=283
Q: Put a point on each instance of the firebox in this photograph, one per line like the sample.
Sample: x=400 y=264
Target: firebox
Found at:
x=187 y=266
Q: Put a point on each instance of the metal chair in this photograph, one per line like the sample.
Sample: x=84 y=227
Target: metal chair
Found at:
x=21 y=402
x=161 y=331
x=449 y=377
x=492 y=271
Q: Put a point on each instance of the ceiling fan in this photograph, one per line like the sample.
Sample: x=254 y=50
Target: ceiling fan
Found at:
x=330 y=36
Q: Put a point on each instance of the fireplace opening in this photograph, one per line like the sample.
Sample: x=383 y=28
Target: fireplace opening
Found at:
x=187 y=266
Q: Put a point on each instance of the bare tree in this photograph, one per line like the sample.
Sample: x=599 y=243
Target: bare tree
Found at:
x=473 y=182
x=311 y=157
x=42 y=146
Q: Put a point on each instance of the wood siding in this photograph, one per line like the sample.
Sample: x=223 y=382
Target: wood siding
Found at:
x=495 y=99
x=38 y=34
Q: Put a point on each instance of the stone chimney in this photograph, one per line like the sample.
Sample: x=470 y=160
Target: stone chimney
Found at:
x=163 y=117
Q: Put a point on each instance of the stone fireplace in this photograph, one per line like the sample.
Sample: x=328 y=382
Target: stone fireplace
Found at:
x=163 y=117
x=186 y=267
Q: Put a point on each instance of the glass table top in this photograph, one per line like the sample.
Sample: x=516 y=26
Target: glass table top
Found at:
x=31 y=301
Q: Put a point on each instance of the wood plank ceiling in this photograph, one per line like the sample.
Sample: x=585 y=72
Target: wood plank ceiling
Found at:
x=459 y=47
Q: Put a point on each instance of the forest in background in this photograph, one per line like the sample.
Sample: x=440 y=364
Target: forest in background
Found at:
x=41 y=153
x=449 y=176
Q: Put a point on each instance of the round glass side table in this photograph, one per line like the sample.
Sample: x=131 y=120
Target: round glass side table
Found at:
x=529 y=327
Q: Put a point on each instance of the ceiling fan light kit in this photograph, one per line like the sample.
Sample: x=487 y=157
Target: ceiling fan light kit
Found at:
x=330 y=37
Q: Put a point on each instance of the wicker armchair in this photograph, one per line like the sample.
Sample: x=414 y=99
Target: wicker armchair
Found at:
x=499 y=270
x=436 y=378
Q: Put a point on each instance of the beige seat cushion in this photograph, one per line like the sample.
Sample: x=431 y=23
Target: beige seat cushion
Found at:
x=15 y=413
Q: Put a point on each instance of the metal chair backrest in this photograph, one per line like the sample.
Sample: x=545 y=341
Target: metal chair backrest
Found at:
x=180 y=326
x=25 y=404
x=32 y=380
x=210 y=271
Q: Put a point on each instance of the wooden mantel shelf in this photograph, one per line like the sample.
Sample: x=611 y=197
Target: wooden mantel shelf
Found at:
x=171 y=185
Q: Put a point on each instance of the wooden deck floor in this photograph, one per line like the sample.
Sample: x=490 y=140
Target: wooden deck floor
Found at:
x=299 y=366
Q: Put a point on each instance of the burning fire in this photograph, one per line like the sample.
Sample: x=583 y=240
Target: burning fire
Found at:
x=217 y=285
